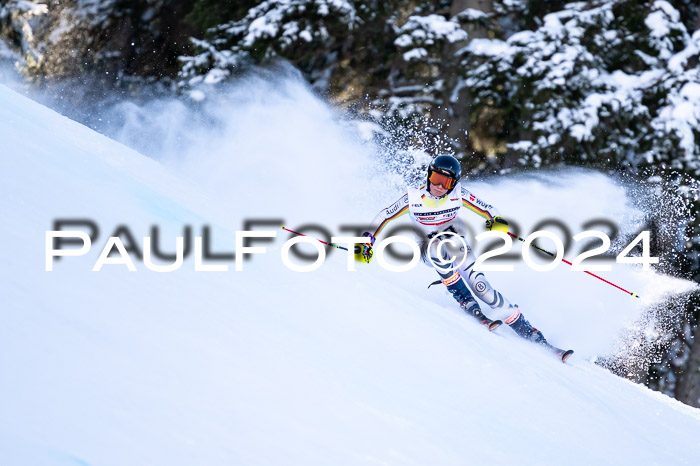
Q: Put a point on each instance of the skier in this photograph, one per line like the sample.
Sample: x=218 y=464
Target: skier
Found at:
x=433 y=208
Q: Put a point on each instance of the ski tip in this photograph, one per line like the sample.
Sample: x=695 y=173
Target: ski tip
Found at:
x=494 y=325
x=565 y=355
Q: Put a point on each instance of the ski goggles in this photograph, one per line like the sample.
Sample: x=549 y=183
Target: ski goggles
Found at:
x=445 y=181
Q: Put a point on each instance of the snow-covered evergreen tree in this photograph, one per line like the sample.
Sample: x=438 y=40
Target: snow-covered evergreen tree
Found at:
x=611 y=84
x=417 y=79
x=307 y=32
x=607 y=83
x=392 y=59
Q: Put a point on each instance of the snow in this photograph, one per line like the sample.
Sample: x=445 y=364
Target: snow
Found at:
x=678 y=61
x=266 y=19
x=691 y=91
x=197 y=95
x=306 y=35
x=488 y=47
x=472 y=14
x=64 y=27
x=5 y=52
x=265 y=26
x=215 y=76
x=559 y=57
x=415 y=54
x=520 y=145
x=31 y=8
x=268 y=366
x=426 y=30
x=657 y=21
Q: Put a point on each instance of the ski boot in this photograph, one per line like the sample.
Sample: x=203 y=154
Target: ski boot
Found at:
x=524 y=329
x=467 y=302
x=471 y=307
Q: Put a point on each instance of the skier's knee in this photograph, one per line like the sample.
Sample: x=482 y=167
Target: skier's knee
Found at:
x=485 y=292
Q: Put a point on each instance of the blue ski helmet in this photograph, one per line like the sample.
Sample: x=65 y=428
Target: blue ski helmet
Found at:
x=445 y=168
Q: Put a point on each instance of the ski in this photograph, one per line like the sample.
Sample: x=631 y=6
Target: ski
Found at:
x=563 y=354
x=494 y=324
x=482 y=319
x=488 y=323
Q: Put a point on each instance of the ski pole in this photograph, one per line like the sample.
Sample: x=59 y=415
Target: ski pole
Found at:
x=302 y=234
x=564 y=260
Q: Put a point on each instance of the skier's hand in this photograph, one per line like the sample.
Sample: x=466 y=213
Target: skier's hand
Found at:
x=497 y=224
x=363 y=251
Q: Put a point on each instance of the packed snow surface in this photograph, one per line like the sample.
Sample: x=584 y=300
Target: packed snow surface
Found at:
x=269 y=366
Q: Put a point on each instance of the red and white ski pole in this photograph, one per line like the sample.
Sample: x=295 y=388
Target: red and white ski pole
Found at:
x=302 y=234
x=634 y=295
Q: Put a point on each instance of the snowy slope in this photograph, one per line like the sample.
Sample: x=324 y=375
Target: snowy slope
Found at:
x=269 y=366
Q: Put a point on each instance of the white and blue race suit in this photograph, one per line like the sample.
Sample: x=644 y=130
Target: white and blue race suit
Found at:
x=432 y=216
